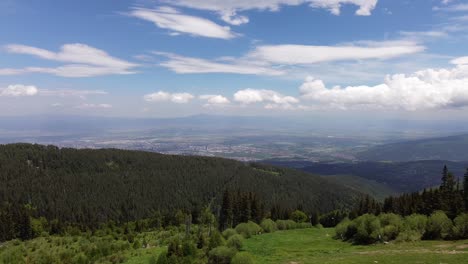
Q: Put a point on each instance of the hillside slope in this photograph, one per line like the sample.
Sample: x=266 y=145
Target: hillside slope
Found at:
x=93 y=186
x=400 y=177
x=452 y=148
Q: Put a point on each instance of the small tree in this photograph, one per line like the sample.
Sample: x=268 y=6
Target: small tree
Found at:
x=298 y=216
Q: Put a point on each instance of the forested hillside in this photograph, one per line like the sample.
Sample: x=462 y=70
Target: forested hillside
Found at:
x=89 y=187
x=398 y=176
x=445 y=148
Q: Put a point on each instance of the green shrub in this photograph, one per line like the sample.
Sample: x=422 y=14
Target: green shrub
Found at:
x=80 y=259
x=248 y=229
x=439 y=226
x=460 y=229
x=286 y=224
x=269 y=226
x=303 y=225
x=242 y=258
x=299 y=216
x=229 y=232
x=342 y=228
x=408 y=236
x=221 y=255
x=415 y=222
x=235 y=241
x=367 y=229
x=162 y=259
x=216 y=239
x=13 y=255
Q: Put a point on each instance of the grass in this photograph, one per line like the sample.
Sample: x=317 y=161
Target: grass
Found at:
x=318 y=246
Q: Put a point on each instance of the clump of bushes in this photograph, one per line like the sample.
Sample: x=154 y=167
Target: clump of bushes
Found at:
x=369 y=228
x=286 y=224
x=299 y=217
x=221 y=255
x=235 y=241
x=229 y=232
x=269 y=226
x=242 y=258
x=248 y=229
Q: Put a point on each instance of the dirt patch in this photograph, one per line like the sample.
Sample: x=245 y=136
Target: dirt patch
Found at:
x=462 y=246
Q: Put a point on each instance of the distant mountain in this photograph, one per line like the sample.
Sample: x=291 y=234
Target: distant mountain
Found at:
x=397 y=177
x=454 y=148
x=93 y=186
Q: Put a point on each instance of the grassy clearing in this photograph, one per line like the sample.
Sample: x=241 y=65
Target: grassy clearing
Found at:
x=318 y=246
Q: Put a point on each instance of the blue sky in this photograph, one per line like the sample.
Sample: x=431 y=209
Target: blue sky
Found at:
x=274 y=57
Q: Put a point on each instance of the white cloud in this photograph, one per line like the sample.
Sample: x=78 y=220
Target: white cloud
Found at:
x=161 y=96
x=172 y=19
x=460 y=61
x=181 y=64
x=70 y=92
x=453 y=8
x=422 y=90
x=16 y=90
x=94 y=106
x=304 y=54
x=83 y=61
x=228 y=9
x=271 y=60
x=271 y=98
x=214 y=100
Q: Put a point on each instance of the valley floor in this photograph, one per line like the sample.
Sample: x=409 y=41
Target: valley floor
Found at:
x=318 y=246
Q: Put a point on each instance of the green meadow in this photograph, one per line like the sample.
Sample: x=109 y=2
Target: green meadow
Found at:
x=302 y=246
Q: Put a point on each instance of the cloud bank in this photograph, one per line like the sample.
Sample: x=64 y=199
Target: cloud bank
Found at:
x=228 y=9
x=82 y=61
x=423 y=90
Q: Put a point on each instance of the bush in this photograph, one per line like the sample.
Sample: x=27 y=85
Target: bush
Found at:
x=269 y=226
x=229 y=232
x=303 y=225
x=342 y=228
x=162 y=259
x=409 y=236
x=367 y=229
x=248 y=229
x=299 y=216
x=439 y=226
x=242 y=258
x=235 y=241
x=216 y=239
x=221 y=255
x=460 y=229
x=415 y=222
x=286 y=224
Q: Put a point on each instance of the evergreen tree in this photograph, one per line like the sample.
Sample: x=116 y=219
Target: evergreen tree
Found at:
x=226 y=214
x=465 y=190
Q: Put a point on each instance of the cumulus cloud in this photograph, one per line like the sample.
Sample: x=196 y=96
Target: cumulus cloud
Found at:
x=271 y=98
x=82 y=61
x=228 y=9
x=215 y=99
x=17 y=90
x=161 y=96
x=422 y=90
x=171 y=19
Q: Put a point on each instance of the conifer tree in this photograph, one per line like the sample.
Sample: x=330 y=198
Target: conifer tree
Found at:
x=465 y=190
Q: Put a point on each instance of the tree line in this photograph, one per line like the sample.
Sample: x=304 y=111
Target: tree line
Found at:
x=51 y=188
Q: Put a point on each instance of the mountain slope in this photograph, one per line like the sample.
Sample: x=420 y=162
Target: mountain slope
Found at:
x=452 y=148
x=93 y=186
x=400 y=177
